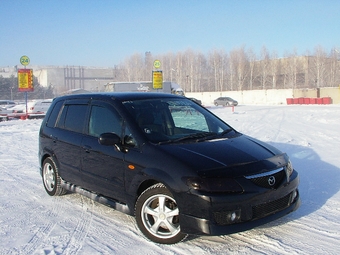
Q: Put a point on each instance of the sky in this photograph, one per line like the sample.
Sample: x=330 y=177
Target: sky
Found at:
x=104 y=33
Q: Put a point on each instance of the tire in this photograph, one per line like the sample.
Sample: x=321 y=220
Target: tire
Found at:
x=51 y=178
x=157 y=215
x=216 y=104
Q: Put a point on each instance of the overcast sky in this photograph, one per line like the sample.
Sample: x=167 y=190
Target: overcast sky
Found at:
x=104 y=32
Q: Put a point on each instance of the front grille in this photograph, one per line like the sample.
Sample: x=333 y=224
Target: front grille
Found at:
x=258 y=211
x=269 y=180
x=262 y=210
x=221 y=218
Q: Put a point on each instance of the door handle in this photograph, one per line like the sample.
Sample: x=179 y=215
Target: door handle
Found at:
x=87 y=148
x=54 y=138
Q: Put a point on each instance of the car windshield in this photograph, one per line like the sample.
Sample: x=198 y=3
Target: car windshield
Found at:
x=170 y=120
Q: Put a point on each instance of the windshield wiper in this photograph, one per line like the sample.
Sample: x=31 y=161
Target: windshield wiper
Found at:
x=225 y=132
x=197 y=136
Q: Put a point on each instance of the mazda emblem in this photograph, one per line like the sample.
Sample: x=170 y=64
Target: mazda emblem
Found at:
x=271 y=180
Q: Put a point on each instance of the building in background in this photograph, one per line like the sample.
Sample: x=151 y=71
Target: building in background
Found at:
x=67 y=78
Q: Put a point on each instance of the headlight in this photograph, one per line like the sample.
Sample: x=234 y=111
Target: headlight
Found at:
x=289 y=168
x=214 y=185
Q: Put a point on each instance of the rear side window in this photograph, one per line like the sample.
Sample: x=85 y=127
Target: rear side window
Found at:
x=73 y=117
x=54 y=114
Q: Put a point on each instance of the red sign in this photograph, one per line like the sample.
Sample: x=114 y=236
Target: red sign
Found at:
x=25 y=80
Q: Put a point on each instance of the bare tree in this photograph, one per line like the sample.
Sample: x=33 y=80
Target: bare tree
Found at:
x=237 y=70
x=200 y=73
x=319 y=67
x=241 y=67
x=264 y=70
x=273 y=69
x=334 y=78
x=252 y=61
x=134 y=68
x=217 y=62
x=290 y=70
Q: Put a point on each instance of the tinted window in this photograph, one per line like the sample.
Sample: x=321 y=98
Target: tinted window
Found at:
x=54 y=114
x=104 y=120
x=73 y=117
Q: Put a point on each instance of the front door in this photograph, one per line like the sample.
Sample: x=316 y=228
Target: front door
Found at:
x=103 y=166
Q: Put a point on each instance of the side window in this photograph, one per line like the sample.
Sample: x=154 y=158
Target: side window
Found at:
x=73 y=117
x=54 y=114
x=104 y=120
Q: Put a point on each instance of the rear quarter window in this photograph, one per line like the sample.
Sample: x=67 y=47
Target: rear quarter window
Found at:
x=52 y=118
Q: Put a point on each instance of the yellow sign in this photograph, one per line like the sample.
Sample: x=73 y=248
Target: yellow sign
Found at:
x=157 y=79
x=25 y=80
x=157 y=64
x=24 y=60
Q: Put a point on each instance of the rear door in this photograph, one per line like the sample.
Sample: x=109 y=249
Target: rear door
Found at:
x=103 y=166
x=67 y=136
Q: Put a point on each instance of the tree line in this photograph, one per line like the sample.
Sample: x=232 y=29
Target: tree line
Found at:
x=239 y=69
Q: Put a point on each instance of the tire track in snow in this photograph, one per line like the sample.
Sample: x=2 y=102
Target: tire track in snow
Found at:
x=106 y=223
x=43 y=232
x=26 y=196
x=81 y=230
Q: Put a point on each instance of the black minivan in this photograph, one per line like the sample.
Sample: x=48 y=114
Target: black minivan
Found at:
x=167 y=160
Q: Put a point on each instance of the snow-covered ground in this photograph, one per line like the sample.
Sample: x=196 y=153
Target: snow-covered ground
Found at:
x=31 y=222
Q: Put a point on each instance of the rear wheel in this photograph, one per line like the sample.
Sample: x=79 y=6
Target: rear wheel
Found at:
x=51 y=178
x=157 y=215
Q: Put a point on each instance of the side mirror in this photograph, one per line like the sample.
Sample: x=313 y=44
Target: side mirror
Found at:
x=109 y=139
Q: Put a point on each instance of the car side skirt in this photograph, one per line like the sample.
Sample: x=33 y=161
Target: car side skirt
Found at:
x=97 y=197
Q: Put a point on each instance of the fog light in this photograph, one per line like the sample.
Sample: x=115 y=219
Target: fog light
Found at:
x=227 y=217
x=233 y=216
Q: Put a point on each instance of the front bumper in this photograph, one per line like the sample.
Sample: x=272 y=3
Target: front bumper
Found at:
x=255 y=209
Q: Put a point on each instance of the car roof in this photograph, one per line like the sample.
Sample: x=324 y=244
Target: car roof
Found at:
x=122 y=96
x=7 y=101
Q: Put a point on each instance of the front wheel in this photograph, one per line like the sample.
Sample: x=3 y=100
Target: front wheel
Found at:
x=157 y=215
x=51 y=178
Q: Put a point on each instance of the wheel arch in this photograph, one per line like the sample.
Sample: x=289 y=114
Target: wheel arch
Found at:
x=150 y=177
x=46 y=155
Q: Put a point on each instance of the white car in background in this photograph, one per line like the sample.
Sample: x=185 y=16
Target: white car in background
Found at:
x=7 y=103
x=39 y=107
x=35 y=109
x=3 y=113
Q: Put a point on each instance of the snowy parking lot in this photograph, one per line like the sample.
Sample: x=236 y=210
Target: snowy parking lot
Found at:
x=31 y=222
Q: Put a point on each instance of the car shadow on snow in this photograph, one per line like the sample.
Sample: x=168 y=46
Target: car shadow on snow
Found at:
x=318 y=180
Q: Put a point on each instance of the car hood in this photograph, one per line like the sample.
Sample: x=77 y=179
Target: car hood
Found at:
x=235 y=154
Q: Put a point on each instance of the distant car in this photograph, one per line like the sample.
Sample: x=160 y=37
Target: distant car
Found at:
x=195 y=100
x=165 y=159
x=38 y=106
x=4 y=114
x=6 y=103
x=35 y=109
x=18 y=108
x=225 y=101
